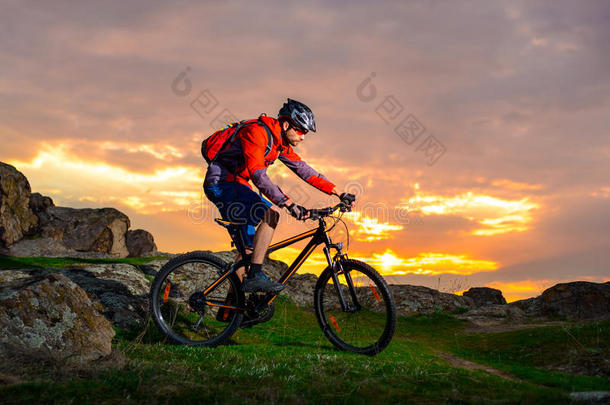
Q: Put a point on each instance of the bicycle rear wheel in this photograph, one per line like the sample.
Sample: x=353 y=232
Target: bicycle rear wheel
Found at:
x=367 y=322
x=182 y=311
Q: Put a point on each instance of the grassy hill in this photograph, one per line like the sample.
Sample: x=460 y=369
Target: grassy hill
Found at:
x=432 y=359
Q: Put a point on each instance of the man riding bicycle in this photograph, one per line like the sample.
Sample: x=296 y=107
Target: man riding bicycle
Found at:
x=252 y=150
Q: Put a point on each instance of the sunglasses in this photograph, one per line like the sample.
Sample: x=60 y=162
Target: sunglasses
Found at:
x=299 y=131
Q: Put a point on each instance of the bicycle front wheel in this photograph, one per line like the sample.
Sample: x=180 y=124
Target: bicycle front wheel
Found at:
x=186 y=300
x=365 y=319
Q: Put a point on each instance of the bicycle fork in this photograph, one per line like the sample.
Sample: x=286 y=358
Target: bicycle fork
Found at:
x=336 y=268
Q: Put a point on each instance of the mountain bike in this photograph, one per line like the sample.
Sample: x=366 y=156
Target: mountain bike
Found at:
x=196 y=298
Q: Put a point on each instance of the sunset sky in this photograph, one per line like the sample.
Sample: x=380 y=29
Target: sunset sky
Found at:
x=476 y=134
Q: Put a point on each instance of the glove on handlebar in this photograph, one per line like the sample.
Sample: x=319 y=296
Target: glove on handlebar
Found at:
x=347 y=198
x=297 y=211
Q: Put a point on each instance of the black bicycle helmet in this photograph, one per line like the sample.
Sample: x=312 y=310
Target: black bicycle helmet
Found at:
x=298 y=114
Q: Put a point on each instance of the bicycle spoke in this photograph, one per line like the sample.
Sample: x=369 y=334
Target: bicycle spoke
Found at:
x=367 y=322
x=179 y=294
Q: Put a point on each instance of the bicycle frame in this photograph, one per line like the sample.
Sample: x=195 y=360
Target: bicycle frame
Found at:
x=318 y=236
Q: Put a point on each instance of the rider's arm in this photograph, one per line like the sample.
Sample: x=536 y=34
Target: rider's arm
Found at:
x=306 y=172
x=254 y=142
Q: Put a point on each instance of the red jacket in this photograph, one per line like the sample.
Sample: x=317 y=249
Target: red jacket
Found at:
x=245 y=160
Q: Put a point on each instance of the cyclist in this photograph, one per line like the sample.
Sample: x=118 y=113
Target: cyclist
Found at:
x=247 y=158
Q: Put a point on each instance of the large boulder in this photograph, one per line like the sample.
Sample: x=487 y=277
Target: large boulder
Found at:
x=87 y=230
x=483 y=296
x=139 y=242
x=49 y=247
x=412 y=299
x=49 y=317
x=39 y=204
x=579 y=300
x=16 y=216
x=493 y=314
x=120 y=290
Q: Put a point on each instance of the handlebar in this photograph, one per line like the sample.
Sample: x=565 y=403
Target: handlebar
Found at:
x=319 y=213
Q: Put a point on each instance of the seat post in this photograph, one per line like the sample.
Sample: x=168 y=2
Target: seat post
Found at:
x=235 y=232
x=238 y=239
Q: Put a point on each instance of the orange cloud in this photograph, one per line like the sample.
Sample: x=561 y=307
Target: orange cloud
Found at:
x=370 y=228
x=514 y=291
x=95 y=181
x=428 y=263
x=390 y=264
x=494 y=215
x=514 y=185
x=603 y=192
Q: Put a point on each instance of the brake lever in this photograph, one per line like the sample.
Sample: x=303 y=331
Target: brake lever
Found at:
x=345 y=207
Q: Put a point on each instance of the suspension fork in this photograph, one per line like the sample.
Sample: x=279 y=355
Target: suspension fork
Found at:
x=335 y=269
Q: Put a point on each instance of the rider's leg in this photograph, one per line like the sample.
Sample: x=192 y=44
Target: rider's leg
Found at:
x=241 y=272
x=256 y=279
x=264 y=234
x=262 y=239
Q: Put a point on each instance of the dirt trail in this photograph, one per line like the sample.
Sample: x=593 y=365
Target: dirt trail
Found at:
x=469 y=365
x=493 y=327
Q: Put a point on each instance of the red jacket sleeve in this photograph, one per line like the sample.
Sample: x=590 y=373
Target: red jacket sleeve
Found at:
x=304 y=171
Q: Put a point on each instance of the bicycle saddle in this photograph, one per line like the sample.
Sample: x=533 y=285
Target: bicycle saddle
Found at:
x=228 y=224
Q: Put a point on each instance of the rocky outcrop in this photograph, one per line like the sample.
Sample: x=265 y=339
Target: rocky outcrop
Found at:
x=120 y=290
x=139 y=242
x=492 y=314
x=31 y=225
x=48 y=247
x=39 y=205
x=121 y=293
x=49 y=317
x=483 y=296
x=579 y=300
x=16 y=216
x=88 y=230
x=412 y=299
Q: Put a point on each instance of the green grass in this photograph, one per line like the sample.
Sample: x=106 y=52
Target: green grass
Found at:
x=529 y=353
x=61 y=262
x=288 y=360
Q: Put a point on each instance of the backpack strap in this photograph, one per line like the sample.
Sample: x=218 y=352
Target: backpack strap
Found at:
x=238 y=127
x=269 y=136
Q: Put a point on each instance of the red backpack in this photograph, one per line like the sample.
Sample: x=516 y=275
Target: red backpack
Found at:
x=221 y=139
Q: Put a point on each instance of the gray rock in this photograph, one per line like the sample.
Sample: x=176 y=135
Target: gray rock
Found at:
x=49 y=317
x=492 y=314
x=39 y=202
x=88 y=230
x=139 y=242
x=591 y=397
x=39 y=205
x=529 y=306
x=48 y=247
x=16 y=217
x=300 y=289
x=153 y=267
x=580 y=300
x=411 y=299
x=485 y=296
x=8 y=276
x=120 y=290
